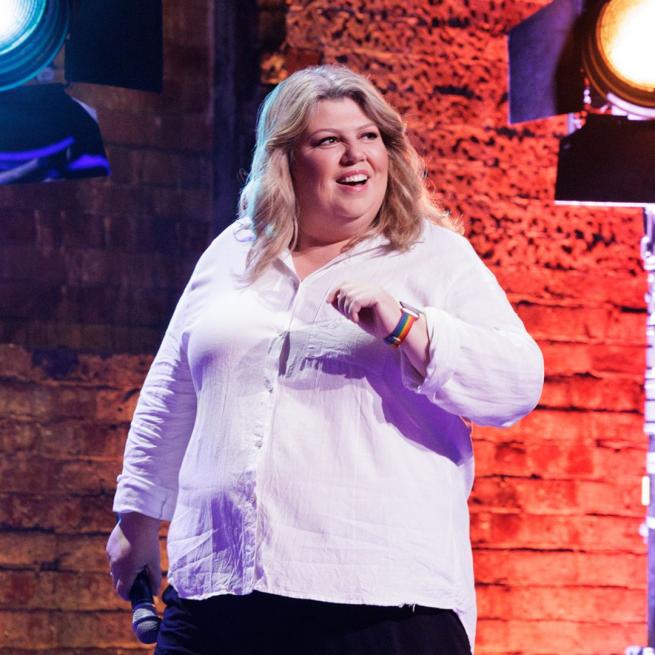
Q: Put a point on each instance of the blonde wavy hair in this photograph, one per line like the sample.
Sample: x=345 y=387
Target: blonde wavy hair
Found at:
x=268 y=200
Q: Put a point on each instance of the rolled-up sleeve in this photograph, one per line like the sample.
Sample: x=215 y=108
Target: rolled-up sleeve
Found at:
x=482 y=364
x=160 y=429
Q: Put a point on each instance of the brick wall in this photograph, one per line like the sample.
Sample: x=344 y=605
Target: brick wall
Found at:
x=62 y=430
x=89 y=273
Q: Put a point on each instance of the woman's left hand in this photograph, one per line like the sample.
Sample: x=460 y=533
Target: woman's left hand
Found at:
x=378 y=312
x=367 y=305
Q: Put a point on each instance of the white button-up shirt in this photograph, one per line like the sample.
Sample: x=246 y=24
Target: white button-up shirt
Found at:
x=298 y=455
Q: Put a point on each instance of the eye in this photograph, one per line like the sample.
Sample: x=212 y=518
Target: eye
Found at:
x=326 y=140
x=371 y=135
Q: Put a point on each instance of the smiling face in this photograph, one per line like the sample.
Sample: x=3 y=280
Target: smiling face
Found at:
x=339 y=169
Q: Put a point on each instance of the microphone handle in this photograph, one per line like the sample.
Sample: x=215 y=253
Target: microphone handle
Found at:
x=140 y=591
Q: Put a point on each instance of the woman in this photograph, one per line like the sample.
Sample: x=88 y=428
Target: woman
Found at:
x=305 y=423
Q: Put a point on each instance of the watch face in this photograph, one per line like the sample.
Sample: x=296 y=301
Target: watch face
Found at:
x=410 y=310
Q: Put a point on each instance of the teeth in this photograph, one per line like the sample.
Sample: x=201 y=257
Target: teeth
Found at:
x=354 y=178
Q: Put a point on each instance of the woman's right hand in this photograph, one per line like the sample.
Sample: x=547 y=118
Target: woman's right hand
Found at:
x=132 y=546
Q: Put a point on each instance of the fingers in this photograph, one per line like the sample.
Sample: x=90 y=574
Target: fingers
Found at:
x=123 y=571
x=348 y=304
x=123 y=580
x=123 y=587
x=350 y=298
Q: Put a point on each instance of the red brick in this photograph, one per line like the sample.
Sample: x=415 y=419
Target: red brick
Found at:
x=64 y=514
x=17 y=435
x=502 y=637
x=570 y=428
x=20 y=263
x=18 y=626
x=26 y=549
x=558 y=602
x=588 y=392
x=579 y=497
x=565 y=323
x=76 y=629
x=84 y=438
x=552 y=532
x=85 y=477
x=528 y=568
x=27 y=590
x=579 y=358
x=567 y=286
x=528 y=495
x=557 y=459
x=621 y=461
x=26 y=474
x=82 y=591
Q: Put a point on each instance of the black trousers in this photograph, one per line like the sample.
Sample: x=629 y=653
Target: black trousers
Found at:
x=265 y=624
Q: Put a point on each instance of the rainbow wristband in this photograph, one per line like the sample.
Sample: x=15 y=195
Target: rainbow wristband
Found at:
x=408 y=317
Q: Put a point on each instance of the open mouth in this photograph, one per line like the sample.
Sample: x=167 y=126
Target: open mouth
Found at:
x=358 y=179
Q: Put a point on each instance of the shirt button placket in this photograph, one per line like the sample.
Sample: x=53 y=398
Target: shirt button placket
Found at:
x=271 y=366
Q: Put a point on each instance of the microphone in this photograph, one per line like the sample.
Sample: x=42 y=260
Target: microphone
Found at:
x=145 y=620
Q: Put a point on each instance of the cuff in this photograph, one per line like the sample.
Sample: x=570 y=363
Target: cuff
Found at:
x=443 y=350
x=135 y=495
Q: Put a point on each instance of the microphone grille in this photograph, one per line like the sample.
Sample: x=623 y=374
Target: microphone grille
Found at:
x=145 y=623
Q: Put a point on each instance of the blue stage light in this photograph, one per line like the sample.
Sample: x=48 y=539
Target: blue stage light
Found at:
x=18 y=18
x=31 y=34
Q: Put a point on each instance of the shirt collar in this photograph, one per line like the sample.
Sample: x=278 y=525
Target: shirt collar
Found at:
x=365 y=245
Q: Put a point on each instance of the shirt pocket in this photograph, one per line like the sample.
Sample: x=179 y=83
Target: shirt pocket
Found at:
x=340 y=346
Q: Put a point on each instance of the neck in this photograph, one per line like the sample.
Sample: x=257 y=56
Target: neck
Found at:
x=308 y=244
x=312 y=254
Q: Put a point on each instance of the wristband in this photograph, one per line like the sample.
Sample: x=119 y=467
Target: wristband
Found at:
x=407 y=319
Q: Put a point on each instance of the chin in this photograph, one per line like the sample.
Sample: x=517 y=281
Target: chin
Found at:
x=354 y=219
x=357 y=213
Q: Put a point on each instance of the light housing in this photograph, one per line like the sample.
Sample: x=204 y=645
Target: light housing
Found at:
x=41 y=145
x=116 y=42
x=610 y=161
x=545 y=76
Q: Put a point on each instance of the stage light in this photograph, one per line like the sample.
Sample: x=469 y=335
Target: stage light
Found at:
x=619 y=54
x=607 y=43
x=44 y=134
x=31 y=34
x=590 y=58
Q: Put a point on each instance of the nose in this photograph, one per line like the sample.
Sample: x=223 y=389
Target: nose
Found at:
x=353 y=152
